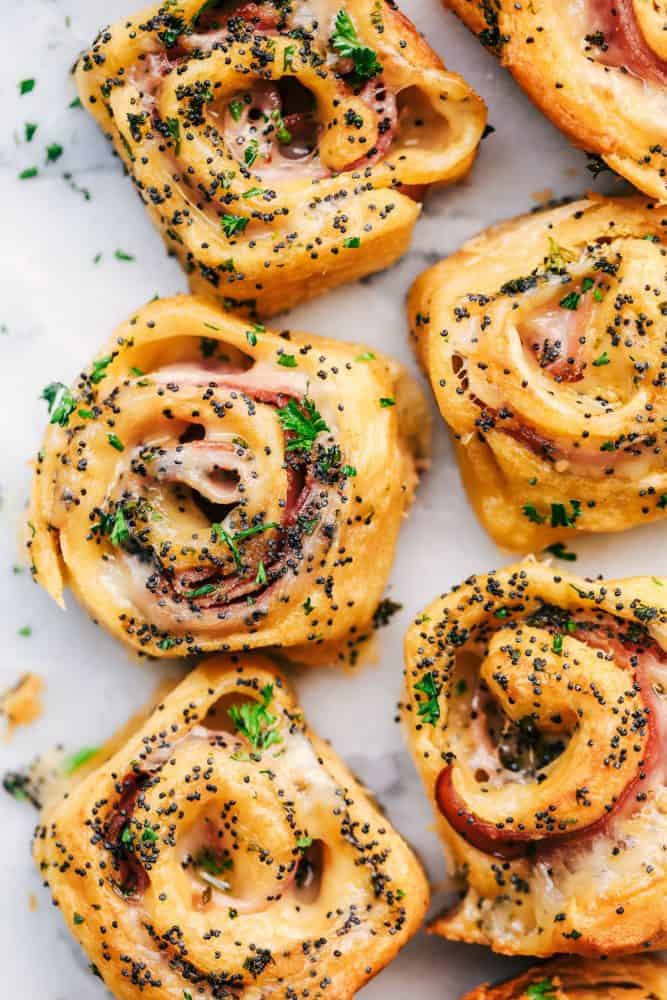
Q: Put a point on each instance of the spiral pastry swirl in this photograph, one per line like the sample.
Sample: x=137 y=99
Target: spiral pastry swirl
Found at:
x=631 y=978
x=225 y=852
x=544 y=339
x=536 y=709
x=596 y=68
x=210 y=485
x=280 y=148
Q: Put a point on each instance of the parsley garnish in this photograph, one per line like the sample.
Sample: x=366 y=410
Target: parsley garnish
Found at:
x=78 y=759
x=121 y=255
x=352 y=243
x=233 y=224
x=603 y=359
x=100 y=369
x=30 y=129
x=346 y=42
x=544 y=990
x=212 y=861
x=304 y=422
x=236 y=110
x=571 y=301
x=287 y=361
x=61 y=403
x=255 y=722
x=386 y=401
x=26 y=86
x=115 y=442
x=559 y=550
x=429 y=710
x=53 y=152
x=174 y=131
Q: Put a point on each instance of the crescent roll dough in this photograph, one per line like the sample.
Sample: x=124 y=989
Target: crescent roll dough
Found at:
x=225 y=851
x=544 y=339
x=208 y=484
x=280 y=149
x=596 y=68
x=631 y=978
x=536 y=711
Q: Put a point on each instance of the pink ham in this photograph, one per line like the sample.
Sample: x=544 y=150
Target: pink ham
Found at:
x=625 y=44
x=262 y=382
x=556 y=336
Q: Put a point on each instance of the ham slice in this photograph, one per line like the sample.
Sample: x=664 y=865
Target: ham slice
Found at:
x=556 y=337
x=625 y=44
x=262 y=382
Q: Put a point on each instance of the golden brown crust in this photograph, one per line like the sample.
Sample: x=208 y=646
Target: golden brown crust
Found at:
x=224 y=852
x=567 y=58
x=630 y=978
x=558 y=418
x=267 y=211
x=535 y=714
x=211 y=485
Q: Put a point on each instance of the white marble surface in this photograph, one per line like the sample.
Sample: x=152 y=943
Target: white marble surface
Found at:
x=58 y=305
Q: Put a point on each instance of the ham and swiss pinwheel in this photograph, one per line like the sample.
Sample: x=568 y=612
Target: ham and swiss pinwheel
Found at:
x=280 y=148
x=596 y=68
x=212 y=485
x=636 y=978
x=224 y=851
x=536 y=707
x=544 y=339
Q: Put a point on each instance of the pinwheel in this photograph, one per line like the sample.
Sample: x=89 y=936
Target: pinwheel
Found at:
x=637 y=978
x=544 y=339
x=225 y=851
x=281 y=149
x=596 y=68
x=211 y=485
x=536 y=711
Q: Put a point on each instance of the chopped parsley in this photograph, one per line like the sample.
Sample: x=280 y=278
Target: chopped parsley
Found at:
x=386 y=401
x=54 y=152
x=544 y=990
x=27 y=86
x=233 y=224
x=115 y=441
x=122 y=255
x=352 y=243
x=603 y=359
x=30 y=129
x=287 y=361
x=61 y=403
x=346 y=42
x=560 y=551
x=571 y=301
x=78 y=759
x=254 y=721
x=100 y=369
x=304 y=422
x=429 y=710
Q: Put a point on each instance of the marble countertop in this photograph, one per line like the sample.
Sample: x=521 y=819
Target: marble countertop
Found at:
x=63 y=293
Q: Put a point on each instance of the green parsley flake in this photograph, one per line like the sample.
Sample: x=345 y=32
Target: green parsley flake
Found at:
x=254 y=721
x=346 y=42
x=429 y=710
x=61 y=403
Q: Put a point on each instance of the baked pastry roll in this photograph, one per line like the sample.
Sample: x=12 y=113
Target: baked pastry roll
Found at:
x=544 y=340
x=225 y=851
x=208 y=484
x=281 y=148
x=596 y=68
x=536 y=713
x=630 y=978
